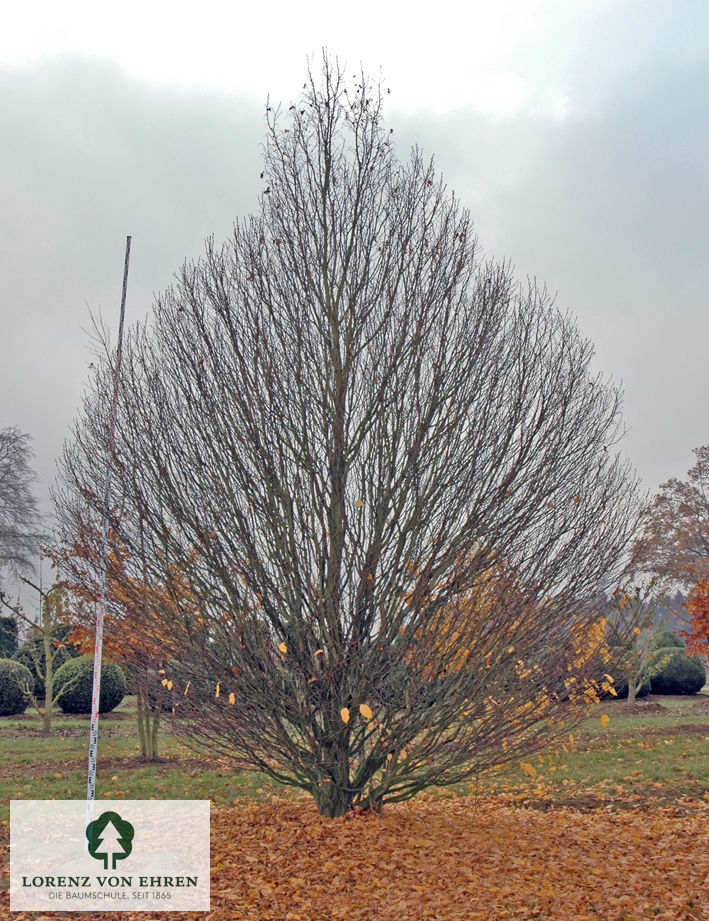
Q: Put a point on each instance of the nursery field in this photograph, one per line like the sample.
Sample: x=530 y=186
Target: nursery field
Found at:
x=612 y=824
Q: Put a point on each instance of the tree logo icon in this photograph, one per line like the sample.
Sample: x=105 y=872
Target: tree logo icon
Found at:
x=110 y=839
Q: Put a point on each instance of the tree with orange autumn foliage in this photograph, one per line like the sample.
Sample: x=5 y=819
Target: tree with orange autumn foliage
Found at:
x=138 y=625
x=333 y=428
x=697 y=635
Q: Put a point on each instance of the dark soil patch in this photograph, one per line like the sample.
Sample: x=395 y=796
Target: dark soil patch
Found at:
x=127 y=763
x=646 y=706
x=686 y=729
x=660 y=706
x=75 y=732
x=701 y=701
x=630 y=800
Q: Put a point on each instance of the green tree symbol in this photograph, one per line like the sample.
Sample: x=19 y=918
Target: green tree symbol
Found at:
x=110 y=839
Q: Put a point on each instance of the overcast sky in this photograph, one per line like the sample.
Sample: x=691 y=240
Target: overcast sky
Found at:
x=577 y=134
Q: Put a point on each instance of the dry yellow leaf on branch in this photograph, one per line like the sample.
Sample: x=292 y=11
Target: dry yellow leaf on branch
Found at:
x=605 y=719
x=187 y=687
x=365 y=711
x=359 y=503
x=345 y=715
x=169 y=685
x=232 y=698
x=283 y=648
x=218 y=689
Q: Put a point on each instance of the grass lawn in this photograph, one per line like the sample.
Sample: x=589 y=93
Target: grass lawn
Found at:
x=625 y=785
x=33 y=766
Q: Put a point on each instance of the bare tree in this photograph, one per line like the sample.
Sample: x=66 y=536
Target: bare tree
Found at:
x=373 y=474
x=673 y=545
x=48 y=648
x=632 y=628
x=19 y=515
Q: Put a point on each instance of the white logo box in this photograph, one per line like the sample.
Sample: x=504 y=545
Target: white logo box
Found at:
x=140 y=855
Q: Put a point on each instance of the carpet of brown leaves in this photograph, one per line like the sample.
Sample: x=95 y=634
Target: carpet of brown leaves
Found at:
x=454 y=858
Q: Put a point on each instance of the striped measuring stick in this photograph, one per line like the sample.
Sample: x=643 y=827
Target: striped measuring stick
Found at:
x=100 y=614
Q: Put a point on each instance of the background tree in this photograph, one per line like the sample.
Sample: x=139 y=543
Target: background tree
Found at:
x=337 y=426
x=19 y=515
x=137 y=626
x=674 y=541
x=8 y=636
x=697 y=634
x=631 y=634
x=47 y=649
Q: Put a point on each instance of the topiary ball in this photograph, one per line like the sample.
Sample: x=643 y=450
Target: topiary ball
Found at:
x=75 y=682
x=674 y=672
x=15 y=681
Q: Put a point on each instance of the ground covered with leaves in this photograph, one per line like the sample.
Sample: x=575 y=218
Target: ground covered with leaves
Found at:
x=612 y=826
x=456 y=858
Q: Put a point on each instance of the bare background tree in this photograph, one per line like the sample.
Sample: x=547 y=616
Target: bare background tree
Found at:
x=48 y=647
x=673 y=545
x=372 y=473
x=19 y=515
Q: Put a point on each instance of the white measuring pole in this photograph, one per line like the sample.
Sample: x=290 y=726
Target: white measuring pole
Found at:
x=100 y=612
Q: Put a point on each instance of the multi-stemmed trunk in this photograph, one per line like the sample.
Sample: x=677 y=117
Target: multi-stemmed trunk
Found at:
x=148 y=712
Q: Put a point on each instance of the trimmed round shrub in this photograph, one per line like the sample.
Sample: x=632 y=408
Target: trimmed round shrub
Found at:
x=15 y=679
x=76 y=677
x=32 y=652
x=666 y=639
x=674 y=672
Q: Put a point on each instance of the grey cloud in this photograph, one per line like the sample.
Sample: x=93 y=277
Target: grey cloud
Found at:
x=607 y=206
x=87 y=157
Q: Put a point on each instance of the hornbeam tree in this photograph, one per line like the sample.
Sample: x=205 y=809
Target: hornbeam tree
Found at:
x=374 y=474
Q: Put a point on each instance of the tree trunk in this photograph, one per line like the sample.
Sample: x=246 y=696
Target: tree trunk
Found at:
x=148 y=724
x=153 y=726
x=632 y=690
x=333 y=794
x=141 y=716
x=332 y=801
x=48 y=677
